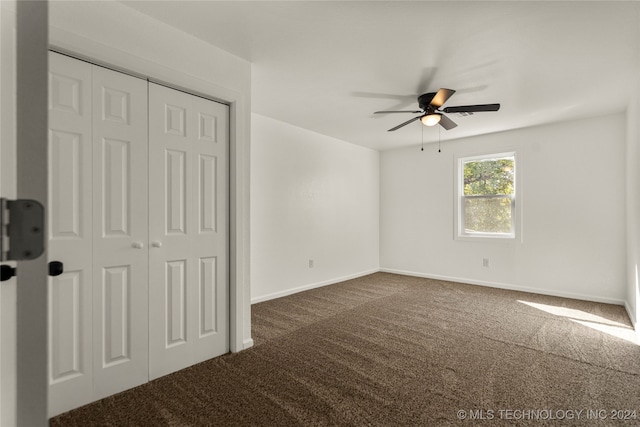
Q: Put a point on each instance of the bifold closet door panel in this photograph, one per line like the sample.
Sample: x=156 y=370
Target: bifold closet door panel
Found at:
x=70 y=234
x=211 y=237
x=120 y=232
x=97 y=225
x=188 y=230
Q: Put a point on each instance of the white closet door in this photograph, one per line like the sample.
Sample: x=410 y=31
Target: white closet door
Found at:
x=98 y=228
x=120 y=230
x=188 y=230
x=70 y=234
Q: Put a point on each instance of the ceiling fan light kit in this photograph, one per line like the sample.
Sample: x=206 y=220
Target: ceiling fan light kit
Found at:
x=431 y=114
x=431 y=119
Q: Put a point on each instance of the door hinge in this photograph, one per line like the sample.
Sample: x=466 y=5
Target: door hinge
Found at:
x=21 y=229
x=22 y=235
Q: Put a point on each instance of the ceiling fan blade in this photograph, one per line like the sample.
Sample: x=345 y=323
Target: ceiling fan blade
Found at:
x=472 y=108
x=441 y=97
x=446 y=122
x=406 y=111
x=404 y=124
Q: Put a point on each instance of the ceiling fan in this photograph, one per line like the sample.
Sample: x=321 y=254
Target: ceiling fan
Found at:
x=431 y=114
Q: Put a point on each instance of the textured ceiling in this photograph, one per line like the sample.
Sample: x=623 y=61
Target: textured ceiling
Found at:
x=328 y=65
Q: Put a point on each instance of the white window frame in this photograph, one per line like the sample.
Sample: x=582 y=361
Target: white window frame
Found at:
x=459 y=197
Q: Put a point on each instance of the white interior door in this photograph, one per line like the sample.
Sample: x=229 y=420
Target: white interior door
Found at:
x=120 y=229
x=31 y=172
x=98 y=319
x=188 y=229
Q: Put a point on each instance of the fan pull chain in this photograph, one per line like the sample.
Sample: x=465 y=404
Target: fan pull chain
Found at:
x=422 y=130
x=439 y=151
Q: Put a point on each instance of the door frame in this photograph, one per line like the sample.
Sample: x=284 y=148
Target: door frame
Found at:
x=239 y=120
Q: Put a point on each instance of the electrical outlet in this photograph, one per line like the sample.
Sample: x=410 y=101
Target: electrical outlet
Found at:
x=310 y=263
x=485 y=262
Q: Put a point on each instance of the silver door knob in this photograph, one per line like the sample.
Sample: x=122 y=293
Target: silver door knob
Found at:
x=137 y=245
x=156 y=244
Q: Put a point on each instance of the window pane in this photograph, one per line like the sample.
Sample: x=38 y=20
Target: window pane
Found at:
x=487 y=215
x=489 y=177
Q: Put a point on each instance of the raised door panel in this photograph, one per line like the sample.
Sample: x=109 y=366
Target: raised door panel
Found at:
x=120 y=232
x=65 y=322
x=116 y=168
x=175 y=201
x=67 y=150
x=176 y=303
x=208 y=297
x=116 y=291
x=208 y=194
x=69 y=225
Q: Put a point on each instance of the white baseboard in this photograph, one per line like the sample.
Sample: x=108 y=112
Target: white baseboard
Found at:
x=248 y=343
x=551 y=292
x=310 y=286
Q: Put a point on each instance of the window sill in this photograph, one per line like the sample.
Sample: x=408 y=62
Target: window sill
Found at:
x=481 y=237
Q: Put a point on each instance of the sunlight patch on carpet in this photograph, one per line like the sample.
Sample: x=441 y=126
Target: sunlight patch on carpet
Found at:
x=590 y=320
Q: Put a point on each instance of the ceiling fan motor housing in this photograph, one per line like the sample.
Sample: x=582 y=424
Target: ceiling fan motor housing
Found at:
x=425 y=99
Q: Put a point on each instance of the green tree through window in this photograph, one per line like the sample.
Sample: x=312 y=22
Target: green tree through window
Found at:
x=488 y=195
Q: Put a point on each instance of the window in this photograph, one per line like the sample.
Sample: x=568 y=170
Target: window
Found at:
x=487 y=196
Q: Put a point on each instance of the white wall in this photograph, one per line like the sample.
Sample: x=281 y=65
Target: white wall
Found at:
x=312 y=197
x=573 y=222
x=109 y=32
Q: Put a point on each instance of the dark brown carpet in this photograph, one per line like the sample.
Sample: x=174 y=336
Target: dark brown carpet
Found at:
x=392 y=350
